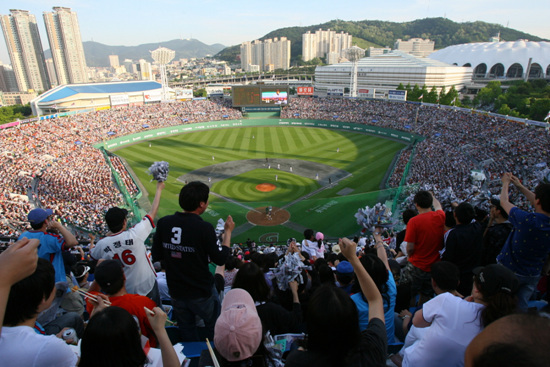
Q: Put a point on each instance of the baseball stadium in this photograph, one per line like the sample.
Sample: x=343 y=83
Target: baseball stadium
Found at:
x=305 y=174
x=278 y=165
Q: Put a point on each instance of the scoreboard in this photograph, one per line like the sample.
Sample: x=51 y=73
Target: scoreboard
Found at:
x=260 y=95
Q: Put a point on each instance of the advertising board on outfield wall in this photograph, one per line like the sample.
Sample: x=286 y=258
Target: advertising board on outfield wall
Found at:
x=154 y=96
x=119 y=99
x=336 y=125
x=335 y=91
x=184 y=93
x=366 y=93
x=216 y=91
x=304 y=91
x=397 y=95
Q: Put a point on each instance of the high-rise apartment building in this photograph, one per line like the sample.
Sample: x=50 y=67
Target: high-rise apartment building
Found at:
x=66 y=46
x=7 y=79
x=25 y=50
x=321 y=43
x=246 y=55
x=415 y=46
x=51 y=72
x=277 y=53
x=114 y=61
x=144 y=70
x=268 y=55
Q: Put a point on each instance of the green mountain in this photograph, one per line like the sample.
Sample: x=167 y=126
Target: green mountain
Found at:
x=97 y=54
x=378 y=33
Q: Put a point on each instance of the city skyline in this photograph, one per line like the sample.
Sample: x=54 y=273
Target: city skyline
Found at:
x=231 y=23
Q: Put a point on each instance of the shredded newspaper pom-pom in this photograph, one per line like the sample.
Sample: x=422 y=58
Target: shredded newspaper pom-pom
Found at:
x=483 y=200
x=377 y=216
x=446 y=197
x=288 y=270
x=220 y=227
x=159 y=171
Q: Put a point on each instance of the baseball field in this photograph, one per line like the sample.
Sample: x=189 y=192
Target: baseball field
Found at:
x=309 y=177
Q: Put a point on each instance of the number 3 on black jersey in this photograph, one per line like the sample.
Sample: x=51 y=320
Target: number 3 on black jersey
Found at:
x=176 y=240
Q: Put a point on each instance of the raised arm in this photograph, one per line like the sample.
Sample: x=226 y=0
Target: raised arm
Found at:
x=369 y=289
x=379 y=246
x=17 y=262
x=158 y=322
x=70 y=239
x=524 y=190
x=156 y=201
x=228 y=227
x=435 y=203
x=504 y=201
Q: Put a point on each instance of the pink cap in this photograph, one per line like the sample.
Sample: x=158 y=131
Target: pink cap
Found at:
x=319 y=236
x=238 y=330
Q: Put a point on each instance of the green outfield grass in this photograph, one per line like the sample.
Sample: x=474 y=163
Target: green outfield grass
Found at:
x=242 y=187
x=366 y=157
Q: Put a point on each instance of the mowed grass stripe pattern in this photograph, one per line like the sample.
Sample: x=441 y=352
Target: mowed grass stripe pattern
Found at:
x=366 y=157
x=242 y=188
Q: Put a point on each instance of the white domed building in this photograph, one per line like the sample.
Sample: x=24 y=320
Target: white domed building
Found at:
x=500 y=60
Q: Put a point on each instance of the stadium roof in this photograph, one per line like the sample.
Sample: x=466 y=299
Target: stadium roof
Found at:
x=385 y=72
x=65 y=91
x=394 y=59
x=494 y=53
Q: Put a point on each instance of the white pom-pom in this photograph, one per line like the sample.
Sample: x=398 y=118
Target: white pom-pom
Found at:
x=159 y=171
x=290 y=269
x=377 y=216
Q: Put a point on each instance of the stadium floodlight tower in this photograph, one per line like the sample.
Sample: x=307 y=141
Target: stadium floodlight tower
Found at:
x=354 y=54
x=163 y=56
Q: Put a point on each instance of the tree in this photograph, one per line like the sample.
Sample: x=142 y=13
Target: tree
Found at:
x=448 y=98
x=315 y=61
x=505 y=110
x=199 y=93
x=442 y=94
x=424 y=92
x=466 y=101
x=415 y=94
x=400 y=86
x=431 y=97
x=539 y=109
x=488 y=95
x=13 y=113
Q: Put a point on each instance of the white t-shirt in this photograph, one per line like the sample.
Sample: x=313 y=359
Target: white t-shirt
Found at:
x=320 y=251
x=22 y=346
x=310 y=247
x=455 y=322
x=129 y=247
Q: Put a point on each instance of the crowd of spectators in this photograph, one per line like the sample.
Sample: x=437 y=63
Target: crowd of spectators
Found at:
x=345 y=304
x=456 y=143
x=54 y=163
x=124 y=175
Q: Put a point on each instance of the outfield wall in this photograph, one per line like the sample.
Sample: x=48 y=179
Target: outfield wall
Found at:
x=401 y=136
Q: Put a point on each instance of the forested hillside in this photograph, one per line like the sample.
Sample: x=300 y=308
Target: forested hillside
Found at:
x=377 y=33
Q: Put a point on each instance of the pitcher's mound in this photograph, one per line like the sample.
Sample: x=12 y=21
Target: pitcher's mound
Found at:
x=260 y=218
x=265 y=187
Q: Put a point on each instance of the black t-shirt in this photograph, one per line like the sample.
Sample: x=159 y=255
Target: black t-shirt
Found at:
x=371 y=352
x=463 y=246
x=493 y=242
x=278 y=320
x=186 y=243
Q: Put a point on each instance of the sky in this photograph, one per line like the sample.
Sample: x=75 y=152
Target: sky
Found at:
x=230 y=22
